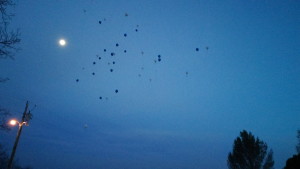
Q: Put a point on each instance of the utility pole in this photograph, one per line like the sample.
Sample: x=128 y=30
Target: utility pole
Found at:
x=25 y=118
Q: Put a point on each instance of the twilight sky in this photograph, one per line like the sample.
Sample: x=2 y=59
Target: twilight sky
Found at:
x=183 y=111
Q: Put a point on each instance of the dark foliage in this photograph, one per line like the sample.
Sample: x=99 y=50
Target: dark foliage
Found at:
x=250 y=153
x=4 y=114
x=298 y=145
x=293 y=162
x=4 y=160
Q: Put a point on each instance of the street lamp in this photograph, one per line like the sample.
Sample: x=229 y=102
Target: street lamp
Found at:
x=25 y=118
x=13 y=122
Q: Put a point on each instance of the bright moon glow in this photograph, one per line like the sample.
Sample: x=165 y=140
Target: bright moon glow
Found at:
x=13 y=122
x=62 y=42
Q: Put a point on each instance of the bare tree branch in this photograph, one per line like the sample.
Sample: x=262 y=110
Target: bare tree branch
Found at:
x=4 y=114
x=3 y=79
x=8 y=38
x=8 y=42
x=6 y=17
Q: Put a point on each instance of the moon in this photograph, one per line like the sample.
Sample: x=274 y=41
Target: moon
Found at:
x=62 y=42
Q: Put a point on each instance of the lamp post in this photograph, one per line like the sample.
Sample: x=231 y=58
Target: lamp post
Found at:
x=13 y=123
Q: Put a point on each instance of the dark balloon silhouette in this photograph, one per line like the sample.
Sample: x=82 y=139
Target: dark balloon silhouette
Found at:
x=159 y=58
x=112 y=61
x=206 y=47
x=197 y=49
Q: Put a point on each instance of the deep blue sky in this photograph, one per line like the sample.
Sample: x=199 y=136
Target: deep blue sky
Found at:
x=247 y=79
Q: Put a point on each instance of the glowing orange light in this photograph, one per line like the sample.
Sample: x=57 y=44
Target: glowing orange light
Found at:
x=13 y=122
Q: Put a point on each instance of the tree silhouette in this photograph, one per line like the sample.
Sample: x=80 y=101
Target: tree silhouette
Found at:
x=293 y=162
x=4 y=160
x=4 y=114
x=8 y=38
x=298 y=145
x=250 y=153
